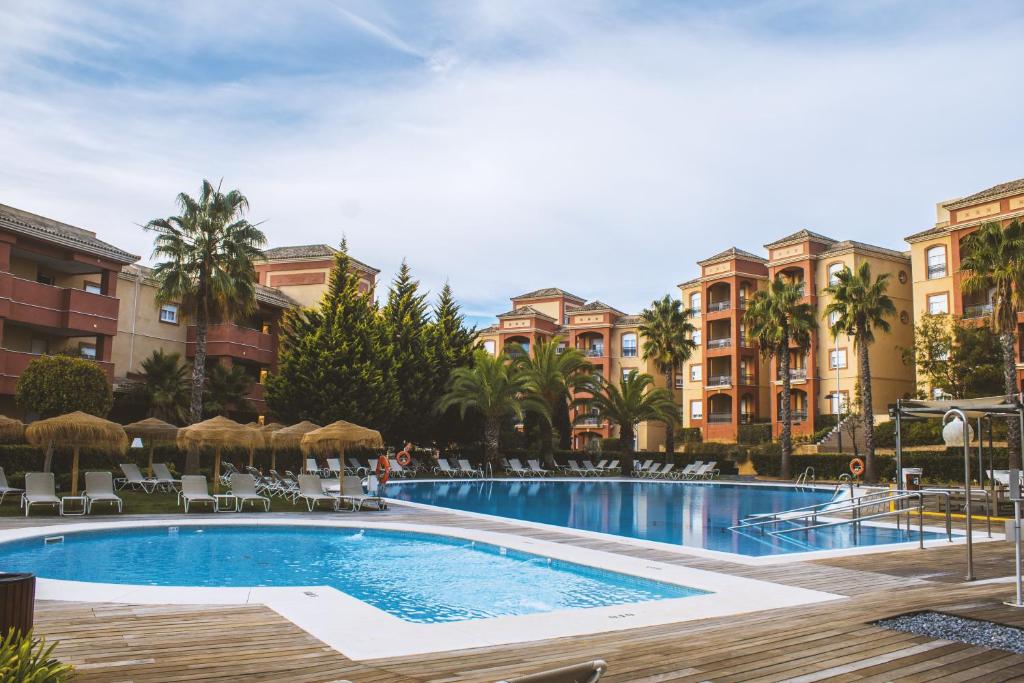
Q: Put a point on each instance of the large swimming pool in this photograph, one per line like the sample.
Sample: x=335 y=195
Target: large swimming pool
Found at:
x=693 y=515
x=420 y=578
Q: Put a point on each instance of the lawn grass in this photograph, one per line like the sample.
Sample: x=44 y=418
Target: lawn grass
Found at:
x=141 y=503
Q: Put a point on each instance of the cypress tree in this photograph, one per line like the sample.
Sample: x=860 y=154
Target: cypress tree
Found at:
x=451 y=346
x=331 y=364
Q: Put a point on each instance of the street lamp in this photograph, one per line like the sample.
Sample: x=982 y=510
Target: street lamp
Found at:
x=957 y=432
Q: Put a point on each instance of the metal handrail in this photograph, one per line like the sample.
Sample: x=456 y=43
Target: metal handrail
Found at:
x=857 y=519
x=769 y=517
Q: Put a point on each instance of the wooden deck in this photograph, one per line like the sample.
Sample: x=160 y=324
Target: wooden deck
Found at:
x=832 y=641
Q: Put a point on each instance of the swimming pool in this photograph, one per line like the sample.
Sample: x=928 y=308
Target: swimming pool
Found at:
x=419 y=578
x=692 y=515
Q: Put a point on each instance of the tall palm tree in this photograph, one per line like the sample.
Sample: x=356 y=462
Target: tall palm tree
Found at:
x=165 y=386
x=206 y=256
x=668 y=342
x=993 y=264
x=633 y=401
x=493 y=388
x=777 y=319
x=860 y=306
x=551 y=376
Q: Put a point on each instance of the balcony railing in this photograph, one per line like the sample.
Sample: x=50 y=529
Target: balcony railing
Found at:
x=798 y=415
x=13 y=363
x=794 y=373
x=743 y=303
x=936 y=271
x=747 y=418
x=720 y=381
x=41 y=305
x=715 y=306
x=719 y=418
x=594 y=352
x=235 y=341
x=978 y=311
x=629 y=352
x=590 y=422
x=719 y=343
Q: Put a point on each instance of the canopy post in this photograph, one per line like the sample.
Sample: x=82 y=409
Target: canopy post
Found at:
x=981 y=462
x=899 y=447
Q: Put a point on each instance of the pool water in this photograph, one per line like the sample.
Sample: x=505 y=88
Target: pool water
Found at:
x=693 y=515
x=419 y=578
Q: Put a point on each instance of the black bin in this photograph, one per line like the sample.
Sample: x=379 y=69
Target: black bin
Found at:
x=17 y=602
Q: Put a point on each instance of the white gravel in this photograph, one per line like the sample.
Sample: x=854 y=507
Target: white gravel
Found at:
x=959 y=629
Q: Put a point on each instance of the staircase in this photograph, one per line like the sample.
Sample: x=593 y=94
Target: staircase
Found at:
x=830 y=442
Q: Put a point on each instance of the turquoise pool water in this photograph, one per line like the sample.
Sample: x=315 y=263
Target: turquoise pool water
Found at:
x=694 y=515
x=417 y=577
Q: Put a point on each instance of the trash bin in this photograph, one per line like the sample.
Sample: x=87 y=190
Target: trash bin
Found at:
x=912 y=478
x=17 y=602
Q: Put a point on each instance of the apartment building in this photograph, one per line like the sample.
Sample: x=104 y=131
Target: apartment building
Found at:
x=728 y=383
x=58 y=294
x=936 y=254
x=301 y=272
x=608 y=337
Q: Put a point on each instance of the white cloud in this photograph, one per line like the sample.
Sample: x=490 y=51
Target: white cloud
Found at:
x=528 y=145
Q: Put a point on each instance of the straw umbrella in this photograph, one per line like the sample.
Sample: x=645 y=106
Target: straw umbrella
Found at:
x=11 y=430
x=338 y=436
x=289 y=437
x=219 y=433
x=152 y=431
x=78 y=430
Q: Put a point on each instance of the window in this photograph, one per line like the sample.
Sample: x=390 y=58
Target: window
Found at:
x=44 y=279
x=936 y=261
x=696 y=410
x=626 y=371
x=938 y=304
x=87 y=351
x=696 y=372
x=560 y=349
x=263 y=376
x=92 y=288
x=941 y=352
x=832 y=318
x=169 y=314
x=629 y=345
x=837 y=358
x=679 y=381
x=833 y=273
x=696 y=336
x=489 y=346
x=695 y=302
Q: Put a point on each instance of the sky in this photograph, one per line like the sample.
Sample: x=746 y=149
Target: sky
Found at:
x=508 y=145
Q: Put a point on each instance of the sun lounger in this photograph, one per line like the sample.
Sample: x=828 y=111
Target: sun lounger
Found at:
x=589 y=672
x=40 y=489
x=312 y=491
x=163 y=477
x=612 y=467
x=660 y=473
x=283 y=486
x=705 y=471
x=312 y=467
x=350 y=491
x=133 y=478
x=573 y=467
x=356 y=468
x=333 y=468
x=535 y=468
x=99 y=488
x=468 y=469
x=444 y=467
x=264 y=485
x=515 y=467
x=226 y=470
x=642 y=467
x=243 y=488
x=593 y=469
x=690 y=469
x=4 y=487
x=397 y=471
x=194 y=490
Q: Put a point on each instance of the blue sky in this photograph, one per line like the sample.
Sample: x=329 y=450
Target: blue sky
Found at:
x=602 y=147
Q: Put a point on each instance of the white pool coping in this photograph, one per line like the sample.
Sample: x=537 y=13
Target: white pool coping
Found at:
x=361 y=631
x=959 y=538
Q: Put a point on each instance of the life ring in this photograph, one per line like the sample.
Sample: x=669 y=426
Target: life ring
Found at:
x=383 y=469
x=404 y=459
x=856 y=467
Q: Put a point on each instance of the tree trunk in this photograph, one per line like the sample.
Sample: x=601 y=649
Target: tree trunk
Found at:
x=785 y=413
x=192 y=461
x=492 y=429
x=626 y=447
x=199 y=369
x=547 y=437
x=868 y=415
x=1010 y=381
x=670 y=425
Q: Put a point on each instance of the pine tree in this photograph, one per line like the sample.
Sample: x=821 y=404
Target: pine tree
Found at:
x=404 y=336
x=450 y=346
x=331 y=361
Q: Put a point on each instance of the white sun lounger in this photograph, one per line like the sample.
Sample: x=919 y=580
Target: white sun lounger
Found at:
x=642 y=467
x=397 y=471
x=333 y=467
x=133 y=478
x=444 y=467
x=312 y=491
x=311 y=467
x=194 y=490
x=99 y=488
x=351 y=492
x=4 y=487
x=573 y=467
x=690 y=469
x=40 y=489
x=466 y=468
x=243 y=488
x=535 y=468
x=356 y=468
x=516 y=468
x=163 y=477
x=660 y=473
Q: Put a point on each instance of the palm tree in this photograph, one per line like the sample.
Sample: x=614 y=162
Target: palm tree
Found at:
x=776 y=319
x=633 y=401
x=493 y=388
x=206 y=265
x=165 y=386
x=226 y=388
x=860 y=305
x=551 y=376
x=668 y=342
x=993 y=265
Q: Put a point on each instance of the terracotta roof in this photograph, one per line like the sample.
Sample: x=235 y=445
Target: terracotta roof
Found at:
x=1000 y=190
x=800 y=236
x=489 y=328
x=731 y=253
x=595 y=305
x=689 y=283
x=548 y=292
x=525 y=311
x=628 y=320
x=311 y=251
x=862 y=246
x=264 y=294
x=55 y=232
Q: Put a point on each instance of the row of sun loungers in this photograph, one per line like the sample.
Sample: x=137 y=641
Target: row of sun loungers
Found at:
x=695 y=470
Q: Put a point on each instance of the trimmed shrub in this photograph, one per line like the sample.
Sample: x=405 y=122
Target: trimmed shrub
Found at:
x=938 y=466
x=689 y=435
x=55 y=385
x=753 y=434
x=610 y=445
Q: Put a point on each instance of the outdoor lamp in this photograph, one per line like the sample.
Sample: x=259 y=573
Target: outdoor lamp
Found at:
x=953 y=433
x=136 y=442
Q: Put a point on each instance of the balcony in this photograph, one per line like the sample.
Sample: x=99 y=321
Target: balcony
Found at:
x=590 y=422
x=798 y=415
x=719 y=343
x=795 y=374
x=978 y=310
x=719 y=418
x=233 y=341
x=60 y=308
x=13 y=363
x=720 y=381
x=716 y=306
x=629 y=352
x=747 y=379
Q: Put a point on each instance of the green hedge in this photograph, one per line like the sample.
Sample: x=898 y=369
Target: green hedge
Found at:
x=938 y=466
x=610 y=444
x=689 y=435
x=754 y=434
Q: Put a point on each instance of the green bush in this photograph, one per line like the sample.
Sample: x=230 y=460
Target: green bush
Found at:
x=26 y=659
x=55 y=385
x=753 y=434
x=610 y=445
x=689 y=435
x=938 y=466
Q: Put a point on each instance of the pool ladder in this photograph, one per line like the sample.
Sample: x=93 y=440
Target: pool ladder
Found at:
x=804 y=477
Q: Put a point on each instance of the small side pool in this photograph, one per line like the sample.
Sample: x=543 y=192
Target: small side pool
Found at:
x=420 y=578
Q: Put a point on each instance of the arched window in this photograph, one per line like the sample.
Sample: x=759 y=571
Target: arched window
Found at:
x=936 y=260
x=629 y=345
x=489 y=346
x=833 y=273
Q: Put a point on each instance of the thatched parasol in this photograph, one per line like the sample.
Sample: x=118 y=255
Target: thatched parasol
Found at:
x=289 y=437
x=152 y=431
x=78 y=430
x=219 y=433
x=338 y=436
x=11 y=430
